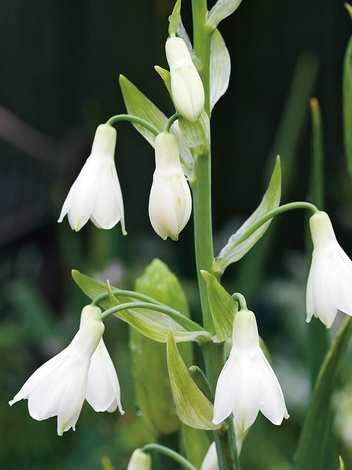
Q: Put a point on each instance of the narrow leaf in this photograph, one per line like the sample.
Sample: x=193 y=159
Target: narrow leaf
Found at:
x=192 y=407
x=342 y=465
x=176 y=27
x=220 y=68
x=139 y=105
x=315 y=429
x=149 y=322
x=221 y=10
x=236 y=249
x=196 y=444
x=222 y=306
x=347 y=104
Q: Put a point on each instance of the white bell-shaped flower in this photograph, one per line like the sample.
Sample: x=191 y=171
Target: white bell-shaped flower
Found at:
x=247 y=384
x=96 y=193
x=103 y=388
x=58 y=387
x=329 y=286
x=170 y=201
x=140 y=461
x=186 y=85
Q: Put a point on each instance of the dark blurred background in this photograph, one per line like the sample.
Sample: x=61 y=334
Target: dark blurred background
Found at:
x=60 y=63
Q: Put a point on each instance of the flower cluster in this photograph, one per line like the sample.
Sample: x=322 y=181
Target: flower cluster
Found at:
x=96 y=193
x=83 y=370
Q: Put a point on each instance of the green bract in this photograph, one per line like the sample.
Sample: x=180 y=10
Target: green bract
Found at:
x=192 y=406
x=240 y=243
x=223 y=307
x=139 y=105
x=220 y=68
x=221 y=10
x=148 y=321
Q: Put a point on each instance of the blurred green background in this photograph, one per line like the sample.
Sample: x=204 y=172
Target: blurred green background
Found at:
x=60 y=63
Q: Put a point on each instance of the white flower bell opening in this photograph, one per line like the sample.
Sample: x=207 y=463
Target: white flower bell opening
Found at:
x=186 y=85
x=329 y=286
x=59 y=386
x=96 y=193
x=247 y=384
x=170 y=201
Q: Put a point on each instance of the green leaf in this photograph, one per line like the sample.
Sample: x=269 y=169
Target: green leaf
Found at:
x=342 y=465
x=139 y=105
x=148 y=358
x=196 y=444
x=237 y=246
x=165 y=75
x=192 y=406
x=222 y=306
x=314 y=434
x=347 y=104
x=220 y=68
x=221 y=10
x=149 y=322
x=349 y=9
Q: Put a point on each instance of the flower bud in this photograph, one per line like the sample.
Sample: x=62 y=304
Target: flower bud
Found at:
x=139 y=461
x=170 y=201
x=186 y=85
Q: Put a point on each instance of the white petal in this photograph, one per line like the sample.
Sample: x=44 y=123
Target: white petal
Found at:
x=108 y=209
x=83 y=194
x=46 y=370
x=326 y=287
x=344 y=268
x=103 y=389
x=73 y=397
x=210 y=461
x=245 y=392
x=272 y=402
x=223 y=392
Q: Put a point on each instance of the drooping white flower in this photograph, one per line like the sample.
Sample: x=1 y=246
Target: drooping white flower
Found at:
x=186 y=85
x=96 y=193
x=329 y=286
x=103 y=388
x=58 y=387
x=140 y=461
x=170 y=201
x=247 y=384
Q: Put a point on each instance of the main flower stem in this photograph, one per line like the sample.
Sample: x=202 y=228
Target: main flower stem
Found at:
x=201 y=188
